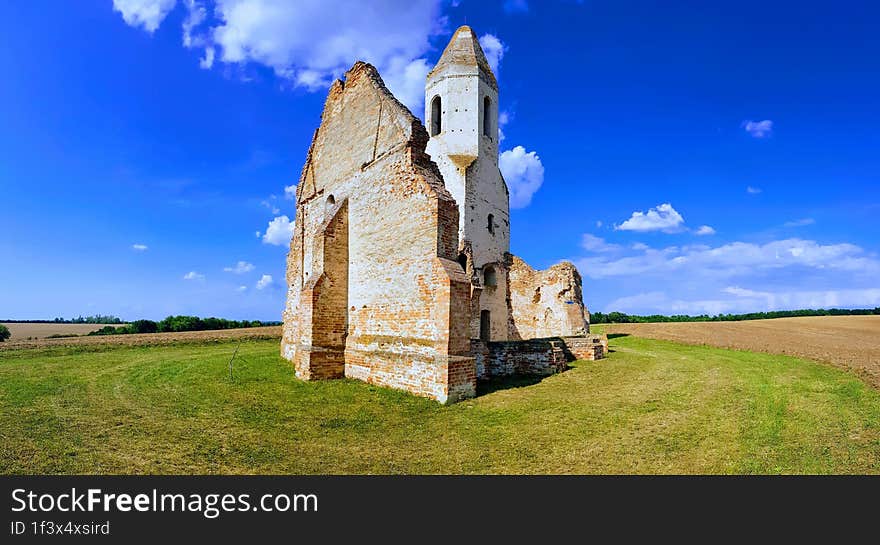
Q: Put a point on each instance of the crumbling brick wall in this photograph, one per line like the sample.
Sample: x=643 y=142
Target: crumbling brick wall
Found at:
x=589 y=347
x=539 y=357
x=546 y=303
x=374 y=291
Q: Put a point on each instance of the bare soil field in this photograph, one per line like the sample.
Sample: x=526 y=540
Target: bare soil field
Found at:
x=850 y=342
x=144 y=339
x=21 y=331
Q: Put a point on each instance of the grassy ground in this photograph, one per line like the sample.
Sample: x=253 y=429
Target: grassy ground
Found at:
x=651 y=407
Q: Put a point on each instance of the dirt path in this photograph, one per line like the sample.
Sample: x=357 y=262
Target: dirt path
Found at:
x=851 y=342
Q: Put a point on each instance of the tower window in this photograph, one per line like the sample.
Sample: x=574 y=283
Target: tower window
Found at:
x=491 y=224
x=487 y=116
x=436 y=117
x=489 y=278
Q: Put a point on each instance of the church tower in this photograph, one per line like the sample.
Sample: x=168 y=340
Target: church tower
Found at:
x=461 y=114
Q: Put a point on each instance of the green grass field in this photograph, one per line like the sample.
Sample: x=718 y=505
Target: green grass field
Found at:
x=651 y=407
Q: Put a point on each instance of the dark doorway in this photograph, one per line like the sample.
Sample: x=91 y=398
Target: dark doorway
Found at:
x=485 y=324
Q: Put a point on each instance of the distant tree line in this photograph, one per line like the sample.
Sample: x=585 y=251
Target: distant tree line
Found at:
x=621 y=318
x=180 y=323
x=96 y=319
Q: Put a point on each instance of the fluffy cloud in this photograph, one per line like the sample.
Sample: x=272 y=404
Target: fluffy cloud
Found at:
x=753 y=190
x=270 y=204
x=139 y=247
x=241 y=289
x=193 y=275
x=523 y=173
x=407 y=81
x=494 y=50
x=278 y=232
x=264 y=282
x=196 y=15
x=309 y=42
x=593 y=243
x=241 y=267
x=144 y=13
x=800 y=223
x=503 y=120
x=662 y=218
x=736 y=258
x=290 y=192
x=738 y=300
x=704 y=230
x=758 y=129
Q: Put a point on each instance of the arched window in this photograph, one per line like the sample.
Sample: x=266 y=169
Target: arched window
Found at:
x=487 y=116
x=331 y=200
x=436 y=117
x=489 y=279
x=491 y=224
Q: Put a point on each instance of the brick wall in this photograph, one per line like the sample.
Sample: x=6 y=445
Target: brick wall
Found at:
x=546 y=303
x=395 y=310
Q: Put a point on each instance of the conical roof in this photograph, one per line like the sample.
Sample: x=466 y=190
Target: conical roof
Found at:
x=464 y=50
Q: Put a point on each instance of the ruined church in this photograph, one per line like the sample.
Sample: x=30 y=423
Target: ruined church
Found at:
x=399 y=271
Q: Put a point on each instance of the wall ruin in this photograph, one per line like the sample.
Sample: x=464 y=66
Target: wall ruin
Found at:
x=546 y=303
x=374 y=289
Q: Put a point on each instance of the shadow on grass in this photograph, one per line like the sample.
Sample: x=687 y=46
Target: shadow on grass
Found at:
x=485 y=387
x=617 y=335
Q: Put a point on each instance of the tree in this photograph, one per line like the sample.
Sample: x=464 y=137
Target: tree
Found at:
x=4 y=333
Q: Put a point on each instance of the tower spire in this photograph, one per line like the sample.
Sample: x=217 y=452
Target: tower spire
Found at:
x=462 y=52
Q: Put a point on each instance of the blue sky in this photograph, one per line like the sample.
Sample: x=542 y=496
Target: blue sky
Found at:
x=688 y=157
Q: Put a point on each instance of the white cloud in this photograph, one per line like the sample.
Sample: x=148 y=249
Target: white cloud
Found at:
x=753 y=190
x=494 y=49
x=264 y=282
x=797 y=299
x=704 y=230
x=144 y=13
x=278 y=232
x=193 y=275
x=745 y=300
x=196 y=15
x=597 y=244
x=407 y=81
x=523 y=173
x=800 y=223
x=758 y=129
x=207 y=61
x=258 y=234
x=640 y=246
x=270 y=205
x=290 y=192
x=662 y=218
x=241 y=267
x=139 y=247
x=736 y=258
x=241 y=289
x=503 y=120
x=310 y=42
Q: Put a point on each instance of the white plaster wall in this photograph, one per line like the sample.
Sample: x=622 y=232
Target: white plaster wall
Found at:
x=468 y=160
